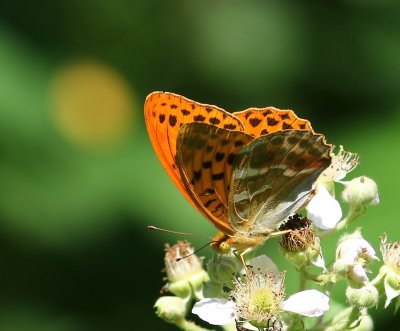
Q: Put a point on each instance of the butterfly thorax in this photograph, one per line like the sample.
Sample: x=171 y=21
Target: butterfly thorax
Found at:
x=223 y=243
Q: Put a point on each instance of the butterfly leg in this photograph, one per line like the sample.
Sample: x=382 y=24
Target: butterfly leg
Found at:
x=240 y=256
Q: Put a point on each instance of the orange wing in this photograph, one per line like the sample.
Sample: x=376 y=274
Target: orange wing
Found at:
x=205 y=157
x=165 y=113
x=261 y=121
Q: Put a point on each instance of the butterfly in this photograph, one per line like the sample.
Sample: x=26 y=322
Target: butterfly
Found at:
x=246 y=172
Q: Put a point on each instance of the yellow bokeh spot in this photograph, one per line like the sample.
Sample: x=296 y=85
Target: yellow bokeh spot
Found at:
x=92 y=104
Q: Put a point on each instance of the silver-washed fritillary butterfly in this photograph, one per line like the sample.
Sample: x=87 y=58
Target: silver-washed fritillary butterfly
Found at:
x=246 y=172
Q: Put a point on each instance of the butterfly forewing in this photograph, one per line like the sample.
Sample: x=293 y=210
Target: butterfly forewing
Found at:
x=262 y=121
x=205 y=155
x=165 y=113
x=273 y=176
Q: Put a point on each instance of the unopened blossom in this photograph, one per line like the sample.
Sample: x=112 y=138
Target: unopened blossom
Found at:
x=366 y=296
x=391 y=269
x=185 y=273
x=361 y=191
x=170 y=308
x=221 y=270
x=353 y=254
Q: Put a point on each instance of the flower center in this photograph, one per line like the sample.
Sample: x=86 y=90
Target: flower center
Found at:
x=263 y=301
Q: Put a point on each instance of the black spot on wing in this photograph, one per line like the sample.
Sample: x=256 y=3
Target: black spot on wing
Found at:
x=214 y=120
x=172 y=120
x=271 y=121
x=218 y=176
x=219 y=156
x=286 y=126
x=254 y=122
x=199 y=118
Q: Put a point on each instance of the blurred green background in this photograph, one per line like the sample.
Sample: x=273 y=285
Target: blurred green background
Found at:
x=79 y=181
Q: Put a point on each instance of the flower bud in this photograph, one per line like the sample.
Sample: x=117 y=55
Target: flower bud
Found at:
x=213 y=289
x=353 y=254
x=170 y=308
x=222 y=269
x=361 y=191
x=366 y=296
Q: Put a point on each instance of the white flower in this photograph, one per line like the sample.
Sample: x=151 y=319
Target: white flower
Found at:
x=323 y=209
x=310 y=303
x=352 y=256
x=215 y=311
x=259 y=299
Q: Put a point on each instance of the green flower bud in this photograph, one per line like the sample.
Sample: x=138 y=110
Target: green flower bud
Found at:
x=214 y=290
x=393 y=280
x=361 y=191
x=298 y=259
x=222 y=269
x=366 y=296
x=171 y=309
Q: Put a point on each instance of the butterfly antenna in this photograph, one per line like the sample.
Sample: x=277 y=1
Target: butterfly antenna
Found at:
x=155 y=228
x=196 y=251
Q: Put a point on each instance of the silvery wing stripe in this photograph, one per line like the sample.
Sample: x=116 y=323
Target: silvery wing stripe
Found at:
x=283 y=171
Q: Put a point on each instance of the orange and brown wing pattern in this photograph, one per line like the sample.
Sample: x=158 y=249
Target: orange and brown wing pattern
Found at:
x=205 y=155
x=165 y=113
x=261 y=121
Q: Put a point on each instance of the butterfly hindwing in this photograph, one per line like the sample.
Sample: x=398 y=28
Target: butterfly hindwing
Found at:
x=273 y=176
x=205 y=155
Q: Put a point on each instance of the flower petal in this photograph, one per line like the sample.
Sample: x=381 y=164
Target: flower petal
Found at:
x=311 y=303
x=324 y=210
x=352 y=246
x=358 y=273
x=391 y=292
x=319 y=261
x=215 y=311
x=264 y=264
